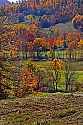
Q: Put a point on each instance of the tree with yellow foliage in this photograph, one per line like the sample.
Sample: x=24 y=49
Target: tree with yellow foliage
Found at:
x=57 y=66
x=80 y=48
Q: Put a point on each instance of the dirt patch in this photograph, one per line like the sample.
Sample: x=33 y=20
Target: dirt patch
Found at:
x=50 y=110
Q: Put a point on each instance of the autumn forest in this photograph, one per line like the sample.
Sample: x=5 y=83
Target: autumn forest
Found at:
x=41 y=58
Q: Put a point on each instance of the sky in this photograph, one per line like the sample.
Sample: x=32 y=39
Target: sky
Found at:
x=12 y=0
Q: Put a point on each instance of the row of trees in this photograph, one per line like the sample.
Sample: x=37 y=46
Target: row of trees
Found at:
x=31 y=78
x=23 y=5
x=17 y=38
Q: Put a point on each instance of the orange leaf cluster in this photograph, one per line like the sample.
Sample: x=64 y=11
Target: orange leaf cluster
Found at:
x=29 y=80
x=80 y=44
x=40 y=42
x=57 y=64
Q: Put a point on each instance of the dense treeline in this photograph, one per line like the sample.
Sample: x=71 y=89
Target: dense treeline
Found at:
x=51 y=12
x=21 y=38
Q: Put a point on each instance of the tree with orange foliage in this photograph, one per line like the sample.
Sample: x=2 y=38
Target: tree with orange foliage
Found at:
x=73 y=40
x=13 y=51
x=57 y=66
x=28 y=78
x=40 y=44
x=51 y=46
x=80 y=44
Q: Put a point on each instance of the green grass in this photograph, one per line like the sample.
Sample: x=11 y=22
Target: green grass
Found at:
x=75 y=66
x=79 y=76
x=39 y=94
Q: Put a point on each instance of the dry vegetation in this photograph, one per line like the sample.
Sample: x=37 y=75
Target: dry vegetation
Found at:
x=52 y=109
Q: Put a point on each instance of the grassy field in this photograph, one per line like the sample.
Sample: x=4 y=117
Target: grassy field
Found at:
x=75 y=66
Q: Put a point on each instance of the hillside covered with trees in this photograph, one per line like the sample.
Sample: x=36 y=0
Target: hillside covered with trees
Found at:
x=41 y=62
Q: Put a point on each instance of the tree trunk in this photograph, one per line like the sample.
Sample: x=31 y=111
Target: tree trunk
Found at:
x=66 y=86
x=56 y=87
x=70 y=55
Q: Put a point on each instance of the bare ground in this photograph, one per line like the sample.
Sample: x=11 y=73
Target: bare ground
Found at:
x=38 y=110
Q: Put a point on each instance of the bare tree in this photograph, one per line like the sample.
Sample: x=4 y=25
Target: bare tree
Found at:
x=69 y=77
